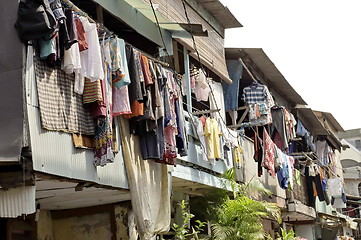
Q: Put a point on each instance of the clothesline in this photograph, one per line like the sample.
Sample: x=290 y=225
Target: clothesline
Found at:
x=101 y=26
x=78 y=10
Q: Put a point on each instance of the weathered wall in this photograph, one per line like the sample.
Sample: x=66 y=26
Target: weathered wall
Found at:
x=269 y=182
x=45 y=226
x=351 y=186
x=89 y=227
x=121 y=222
x=268 y=228
x=11 y=91
x=305 y=231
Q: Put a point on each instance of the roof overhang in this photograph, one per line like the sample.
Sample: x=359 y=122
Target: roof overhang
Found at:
x=313 y=124
x=331 y=119
x=221 y=13
x=273 y=78
x=140 y=16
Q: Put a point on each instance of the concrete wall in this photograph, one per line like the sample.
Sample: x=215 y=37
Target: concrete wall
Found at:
x=351 y=186
x=101 y=222
x=305 y=231
x=45 y=226
x=89 y=227
x=269 y=182
x=125 y=228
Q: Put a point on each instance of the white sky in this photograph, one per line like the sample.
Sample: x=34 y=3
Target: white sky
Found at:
x=315 y=44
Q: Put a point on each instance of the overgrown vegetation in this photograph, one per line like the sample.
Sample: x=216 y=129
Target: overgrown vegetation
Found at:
x=235 y=217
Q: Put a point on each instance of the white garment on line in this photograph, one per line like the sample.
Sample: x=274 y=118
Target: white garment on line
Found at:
x=91 y=59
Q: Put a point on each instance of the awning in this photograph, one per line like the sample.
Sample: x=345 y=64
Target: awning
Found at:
x=147 y=11
x=221 y=13
x=139 y=16
x=275 y=81
x=311 y=122
x=314 y=125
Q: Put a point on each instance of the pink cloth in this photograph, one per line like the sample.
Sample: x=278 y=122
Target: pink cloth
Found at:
x=121 y=103
x=268 y=153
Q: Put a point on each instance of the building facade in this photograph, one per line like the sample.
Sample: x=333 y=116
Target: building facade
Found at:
x=108 y=153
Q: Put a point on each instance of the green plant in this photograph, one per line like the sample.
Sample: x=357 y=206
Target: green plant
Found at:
x=182 y=231
x=290 y=235
x=239 y=216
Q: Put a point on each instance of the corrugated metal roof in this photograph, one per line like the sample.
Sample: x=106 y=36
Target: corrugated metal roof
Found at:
x=314 y=125
x=311 y=122
x=221 y=13
x=331 y=119
x=17 y=201
x=278 y=82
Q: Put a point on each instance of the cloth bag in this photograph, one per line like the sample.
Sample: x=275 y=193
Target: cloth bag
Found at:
x=35 y=20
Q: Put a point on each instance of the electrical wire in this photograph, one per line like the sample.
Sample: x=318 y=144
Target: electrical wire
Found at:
x=160 y=31
x=202 y=67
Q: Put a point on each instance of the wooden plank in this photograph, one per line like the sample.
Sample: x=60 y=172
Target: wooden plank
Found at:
x=243 y=116
x=100 y=17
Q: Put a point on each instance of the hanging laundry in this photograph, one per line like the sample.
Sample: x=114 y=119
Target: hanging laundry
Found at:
x=212 y=134
x=258 y=151
x=60 y=108
x=199 y=130
x=194 y=74
x=283 y=174
x=92 y=91
x=71 y=62
x=303 y=132
x=322 y=152
x=337 y=193
x=216 y=100
x=238 y=156
x=91 y=59
x=258 y=94
x=268 y=161
x=103 y=142
x=314 y=184
x=231 y=91
x=278 y=127
x=136 y=87
x=201 y=89
x=80 y=33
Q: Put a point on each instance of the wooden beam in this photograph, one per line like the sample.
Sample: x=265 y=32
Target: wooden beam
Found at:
x=100 y=17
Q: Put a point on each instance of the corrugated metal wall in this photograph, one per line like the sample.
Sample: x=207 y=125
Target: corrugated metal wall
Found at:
x=53 y=152
x=17 y=201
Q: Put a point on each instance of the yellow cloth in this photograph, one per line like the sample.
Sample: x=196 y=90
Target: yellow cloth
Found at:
x=212 y=135
x=237 y=153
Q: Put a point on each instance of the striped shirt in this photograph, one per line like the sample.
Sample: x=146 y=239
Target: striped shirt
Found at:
x=257 y=93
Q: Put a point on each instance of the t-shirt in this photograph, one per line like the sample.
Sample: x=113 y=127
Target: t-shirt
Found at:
x=212 y=135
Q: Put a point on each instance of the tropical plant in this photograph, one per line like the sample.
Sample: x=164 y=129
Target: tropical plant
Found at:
x=182 y=231
x=233 y=217
x=240 y=216
x=290 y=235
